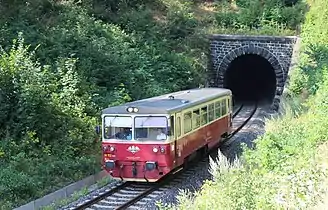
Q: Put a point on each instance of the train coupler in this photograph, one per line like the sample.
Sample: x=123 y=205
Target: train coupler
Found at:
x=134 y=169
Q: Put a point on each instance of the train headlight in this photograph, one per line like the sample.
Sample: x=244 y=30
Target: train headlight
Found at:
x=132 y=109
x=155 y=149
x=162 y=149
x=110 y=164
x=108 y=148
x=151 y=166
x=111 y=149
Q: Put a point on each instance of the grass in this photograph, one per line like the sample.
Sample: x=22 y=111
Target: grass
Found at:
x=60 y=203
x=78 y=194
x=323 y=154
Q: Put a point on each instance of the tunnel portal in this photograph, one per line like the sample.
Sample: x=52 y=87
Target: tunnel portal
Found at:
x=251 y=78
x=228 y=51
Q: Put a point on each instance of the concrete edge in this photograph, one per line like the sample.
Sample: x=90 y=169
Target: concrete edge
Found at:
x=63 y=193
x=226 y=37
x=294 y=62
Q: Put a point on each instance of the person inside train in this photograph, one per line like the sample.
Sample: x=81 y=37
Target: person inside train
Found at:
x=128 y=133
x=124 y=134
x=160 y=135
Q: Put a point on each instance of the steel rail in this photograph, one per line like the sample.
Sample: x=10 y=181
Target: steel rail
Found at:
x=237 y=112
x=242 y=125
x=157 y=185
x=102 y=196
x=138 y=198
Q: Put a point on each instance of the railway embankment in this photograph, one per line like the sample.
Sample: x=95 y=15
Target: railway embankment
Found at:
x=287 y=169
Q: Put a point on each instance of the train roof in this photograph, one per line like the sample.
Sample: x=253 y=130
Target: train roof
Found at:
x=166 y=103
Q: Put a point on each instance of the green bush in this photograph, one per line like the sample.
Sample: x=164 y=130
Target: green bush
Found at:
x=39 y=105
x=314 y=49
x=44 y=125
x=256 y=14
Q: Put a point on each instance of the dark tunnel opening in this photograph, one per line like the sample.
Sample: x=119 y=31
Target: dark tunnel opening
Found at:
x=251 y=78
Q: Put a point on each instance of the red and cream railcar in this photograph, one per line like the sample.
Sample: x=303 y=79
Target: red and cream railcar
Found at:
x=146 y=139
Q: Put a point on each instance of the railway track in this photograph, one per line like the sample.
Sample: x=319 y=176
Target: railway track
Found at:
x=237 y=111
x=128 y=195
x=243 y=120
x=132 y=195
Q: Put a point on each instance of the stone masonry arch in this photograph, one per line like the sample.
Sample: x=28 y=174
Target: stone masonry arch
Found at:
x=251 y=49
x=277 y=50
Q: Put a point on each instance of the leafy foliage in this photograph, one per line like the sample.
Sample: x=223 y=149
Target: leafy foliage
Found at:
x=262 y=15
x=78 y=57
x=44 y=117
x=315 y=50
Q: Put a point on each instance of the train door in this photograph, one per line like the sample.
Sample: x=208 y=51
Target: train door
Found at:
x=177 y=136
x=230 y=111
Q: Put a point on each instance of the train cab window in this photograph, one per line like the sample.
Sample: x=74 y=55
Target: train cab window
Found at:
x=187 y=122
x=156 y=128
x=117 y=127
x=217 y=109
x=195 y=119
x=224 y=106
x=141 y=133
x=211 y=112
x=203 y=115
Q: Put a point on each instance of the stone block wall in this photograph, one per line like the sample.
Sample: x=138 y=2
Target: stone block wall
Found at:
x=225 y=48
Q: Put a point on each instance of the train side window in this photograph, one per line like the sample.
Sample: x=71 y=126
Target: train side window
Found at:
x=203 y=115
x=195 y=119
x=217 y=109
x=187 y=122
x=224 y=106
x=178 y=131
x=171 y=128
x=229 y=104
x=211 y=112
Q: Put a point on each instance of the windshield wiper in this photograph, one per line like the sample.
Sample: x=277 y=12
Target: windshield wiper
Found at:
x=144 y=121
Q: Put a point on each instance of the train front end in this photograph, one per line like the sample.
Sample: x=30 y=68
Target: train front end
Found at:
x=137 y=147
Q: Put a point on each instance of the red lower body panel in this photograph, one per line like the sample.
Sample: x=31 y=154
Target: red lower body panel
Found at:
x=136 y=171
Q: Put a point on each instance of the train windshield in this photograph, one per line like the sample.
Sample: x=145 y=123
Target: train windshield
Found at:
x=118 y=127
x=150 y=128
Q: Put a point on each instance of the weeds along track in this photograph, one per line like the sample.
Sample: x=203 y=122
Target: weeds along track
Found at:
x=133 y=195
